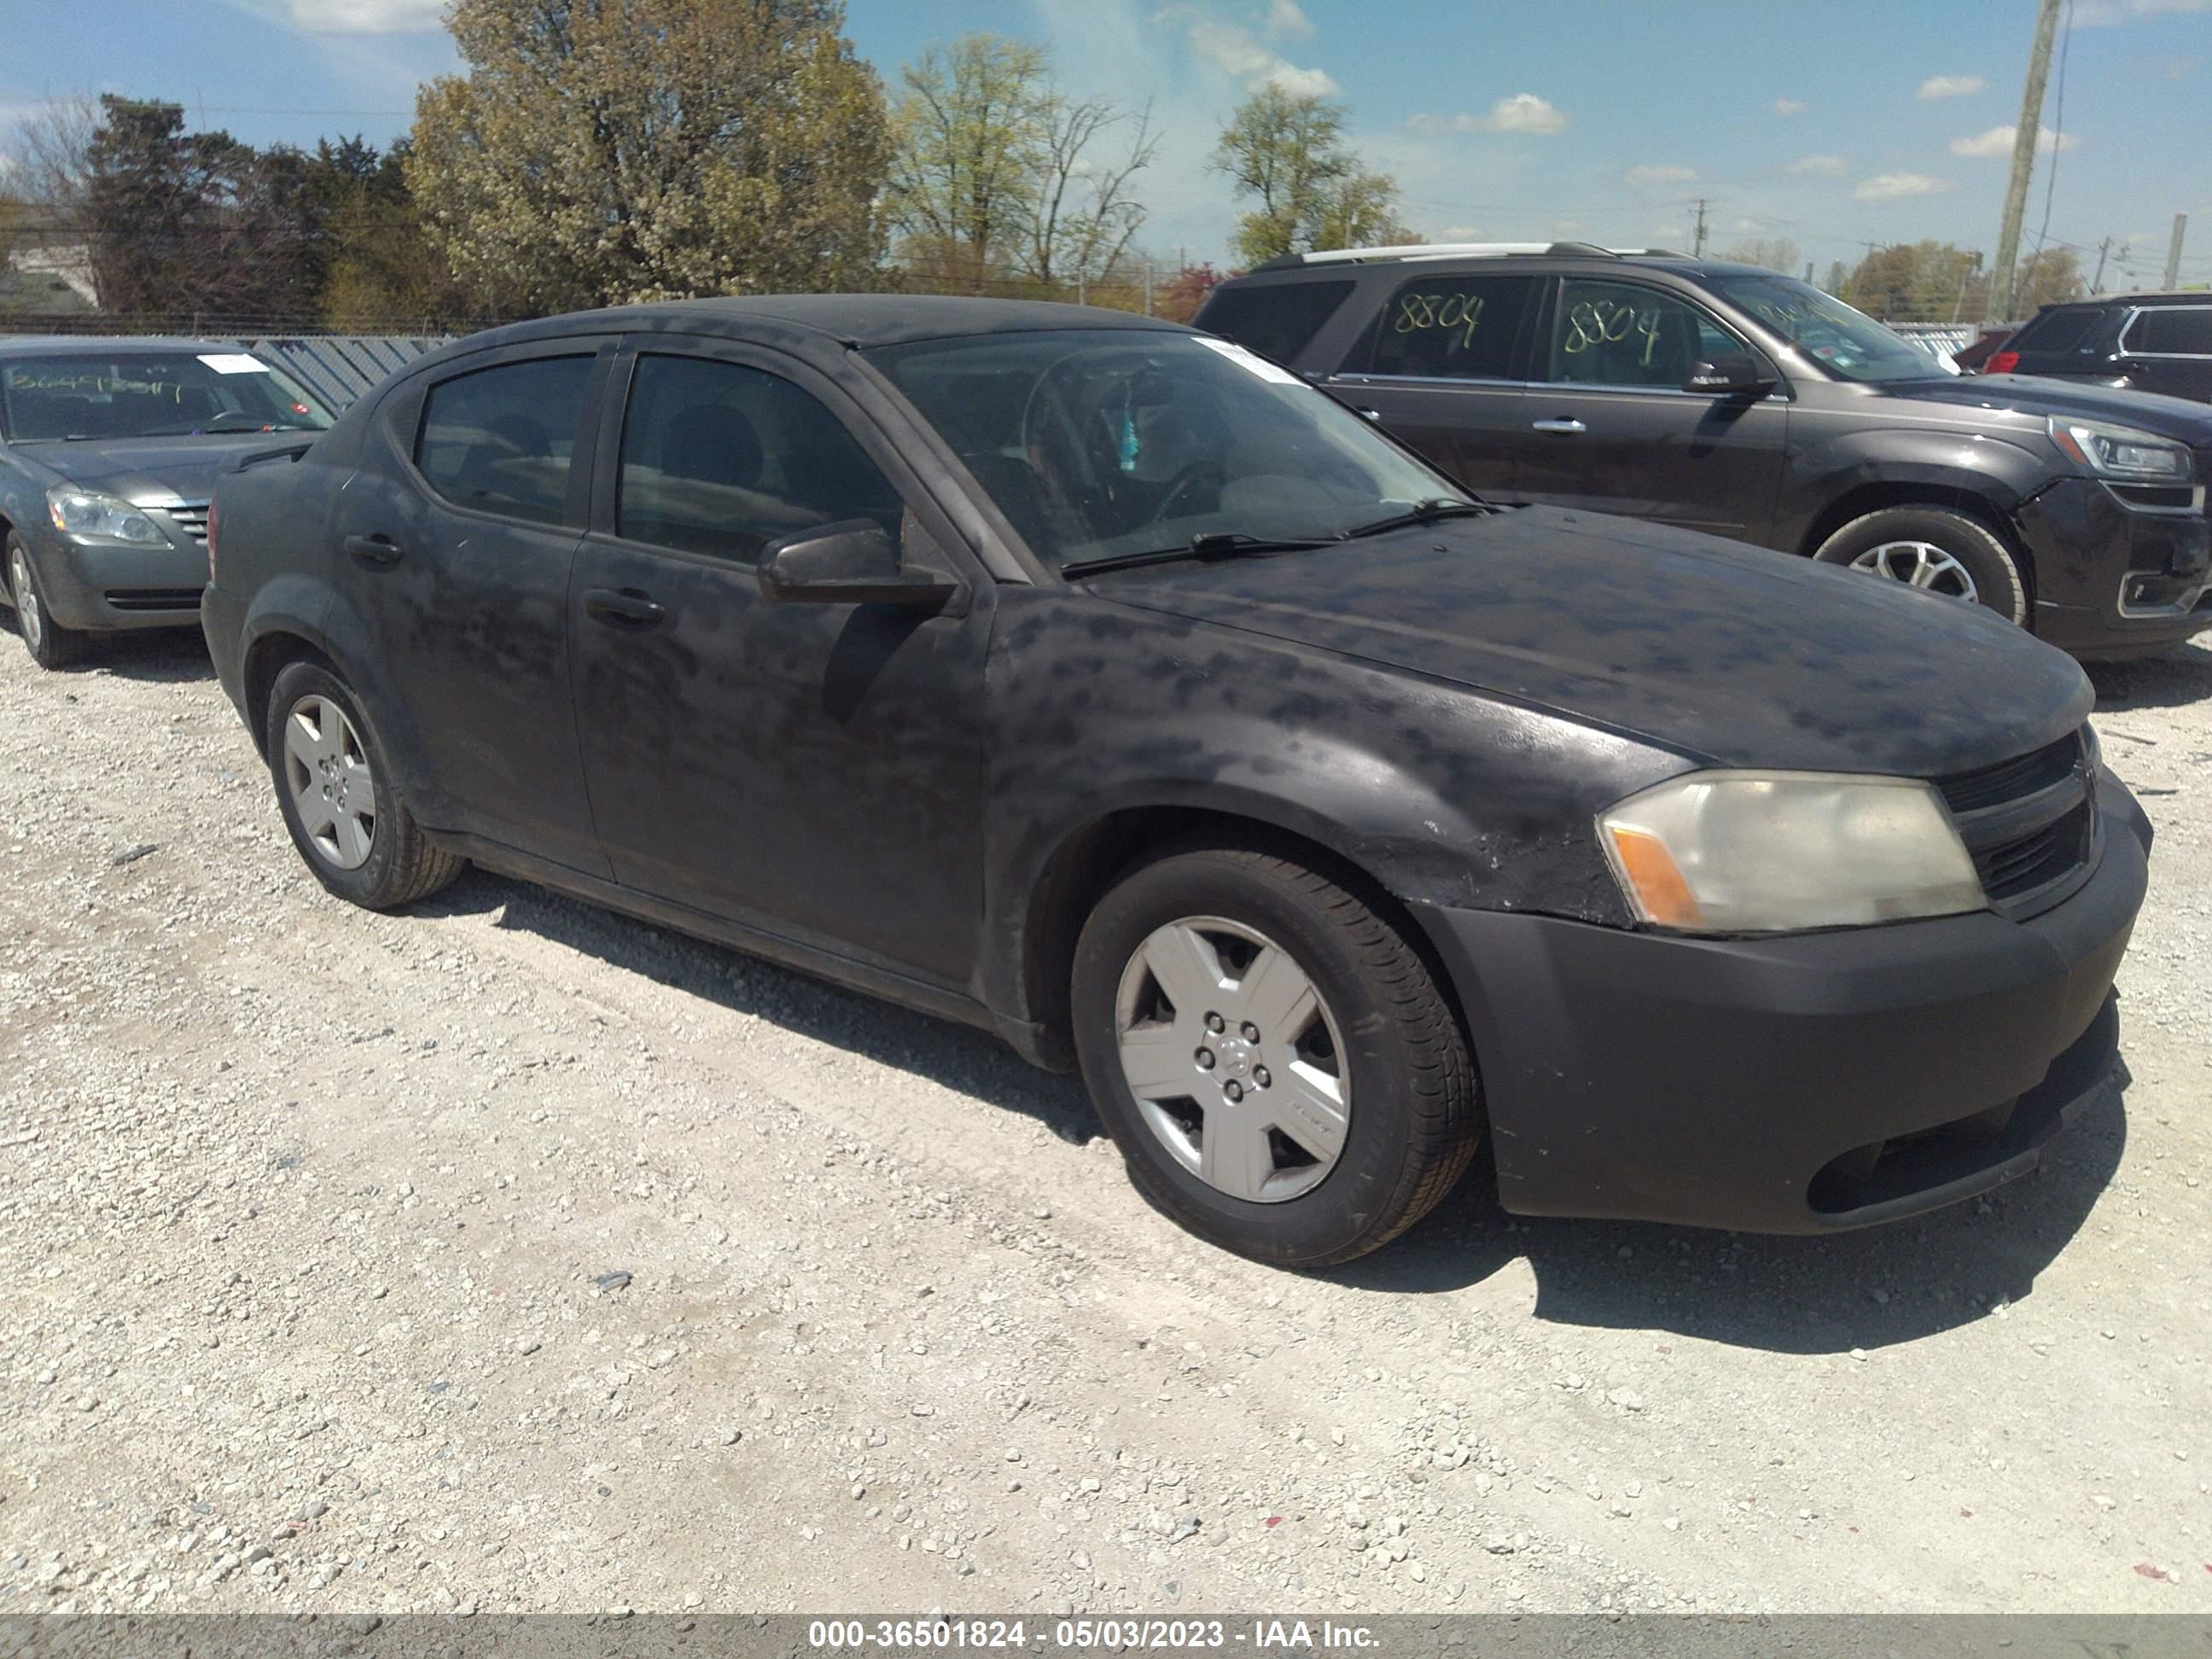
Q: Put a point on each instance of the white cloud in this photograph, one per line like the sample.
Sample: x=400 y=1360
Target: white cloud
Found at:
x=2092 y=14
x=1286 y=21
x=360 y=16
x=1997 y=141
x=1523 y=112
x=1821 y=167
x=1664 y=172
x=1233 y=47
x=1951 y=85
x=1888 y=187
x=1789 y=107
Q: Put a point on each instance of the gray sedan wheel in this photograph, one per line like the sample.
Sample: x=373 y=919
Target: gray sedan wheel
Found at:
x=51 y=645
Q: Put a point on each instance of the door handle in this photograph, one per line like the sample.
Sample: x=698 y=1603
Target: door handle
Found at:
x=380 y=551
x=624 y=607
x=1568 y=427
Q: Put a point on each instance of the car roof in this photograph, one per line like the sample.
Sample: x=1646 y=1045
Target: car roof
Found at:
x=1412 y=263
x=860 y=320
x=2108 y=302
x=59 y=345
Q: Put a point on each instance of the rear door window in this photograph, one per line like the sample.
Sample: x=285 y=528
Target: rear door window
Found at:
x=500 y=440
x=2173 y=332
x=1276 y=319
x=1448 y=327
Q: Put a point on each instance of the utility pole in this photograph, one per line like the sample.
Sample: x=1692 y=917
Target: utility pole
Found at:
x=1698 y=249
x=2173 y=252
x=1148 y=285
x=2097 y=282
x=2023 y=162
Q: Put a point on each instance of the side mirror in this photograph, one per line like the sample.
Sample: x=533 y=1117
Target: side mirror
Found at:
x=851 y=562
x=1733 y=375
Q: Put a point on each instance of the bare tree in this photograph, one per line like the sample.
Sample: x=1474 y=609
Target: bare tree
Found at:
x=45 y=168
x=1086 y=213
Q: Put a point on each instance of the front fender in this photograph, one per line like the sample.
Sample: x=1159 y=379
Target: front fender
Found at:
x=1943 y=462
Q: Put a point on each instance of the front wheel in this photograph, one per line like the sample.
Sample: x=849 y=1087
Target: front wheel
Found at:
x=340 y=801
x=51 y=645
x=1273 y=1059
x=1936 y=551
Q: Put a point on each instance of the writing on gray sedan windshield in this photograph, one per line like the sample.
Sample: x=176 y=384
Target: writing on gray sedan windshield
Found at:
x=95 y=393
x=1099 y=441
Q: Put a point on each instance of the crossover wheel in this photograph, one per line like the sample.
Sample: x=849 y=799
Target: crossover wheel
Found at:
x=1936 y=551
x=1278 y=1065
x=339 y=799
x=51 y=645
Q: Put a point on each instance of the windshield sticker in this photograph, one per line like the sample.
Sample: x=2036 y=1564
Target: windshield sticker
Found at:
x=1247 y=360
x=234 y=362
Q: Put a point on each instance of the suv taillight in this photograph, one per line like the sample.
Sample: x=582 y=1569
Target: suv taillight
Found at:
x=211 y=540
x=2002 y=363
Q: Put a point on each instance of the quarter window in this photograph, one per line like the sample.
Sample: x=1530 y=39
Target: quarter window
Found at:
x=500 y=440
x=1276 y=319
x=1450 y=327
x=2173 y=331
x=718 y=457
x=1623 y=334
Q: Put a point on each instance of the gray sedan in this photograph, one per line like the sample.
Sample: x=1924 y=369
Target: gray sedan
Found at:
x=108 y=453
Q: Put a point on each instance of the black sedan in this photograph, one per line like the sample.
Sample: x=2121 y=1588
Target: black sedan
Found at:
x=108 y=452
x=1098 y=682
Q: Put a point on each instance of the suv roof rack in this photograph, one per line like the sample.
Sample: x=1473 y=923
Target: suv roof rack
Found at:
x=1407 y=251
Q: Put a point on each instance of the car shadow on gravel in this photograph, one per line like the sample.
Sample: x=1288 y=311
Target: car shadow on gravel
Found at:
x=958 y=1057
x=161 y=656
x=2175 y=678
x=1870 y=1289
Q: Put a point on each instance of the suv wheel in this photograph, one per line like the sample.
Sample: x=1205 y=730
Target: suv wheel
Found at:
x=1937 y=550
x=339 y=799
x=1276 y=1063
x=51 y=645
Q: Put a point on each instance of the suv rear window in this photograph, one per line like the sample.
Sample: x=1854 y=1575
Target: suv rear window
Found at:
x=2176 y=330
x=2055 y=330
x=1276 y=319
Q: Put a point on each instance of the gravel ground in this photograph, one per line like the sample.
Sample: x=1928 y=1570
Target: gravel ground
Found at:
x=508 y=1255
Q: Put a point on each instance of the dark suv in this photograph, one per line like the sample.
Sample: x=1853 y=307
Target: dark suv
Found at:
x=2143 y=342
x=1097 y=682
x=1727 y=399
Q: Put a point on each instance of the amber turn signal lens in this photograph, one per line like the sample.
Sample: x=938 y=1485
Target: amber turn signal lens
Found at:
x=1649 y=869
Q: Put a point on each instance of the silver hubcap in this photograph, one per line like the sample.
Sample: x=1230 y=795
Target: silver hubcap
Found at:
x=331 y=788
x=1919 y=564
x=26 y=600
x=1234 y=1059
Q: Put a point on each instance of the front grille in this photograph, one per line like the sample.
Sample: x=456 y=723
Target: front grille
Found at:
x=153 y=599
x=2030 y=824
x=190 y=518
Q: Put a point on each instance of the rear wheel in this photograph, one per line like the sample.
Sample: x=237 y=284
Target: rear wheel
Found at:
x=51 y=645
x=1278 y=1065
x=339 y=799
x=1937 y=551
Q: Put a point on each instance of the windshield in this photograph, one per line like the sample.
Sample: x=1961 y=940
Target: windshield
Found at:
x=1094 y=442
x=142 y=394
x=1849 y=344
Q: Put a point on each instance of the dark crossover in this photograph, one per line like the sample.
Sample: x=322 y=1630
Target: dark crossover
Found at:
x=1102 y=684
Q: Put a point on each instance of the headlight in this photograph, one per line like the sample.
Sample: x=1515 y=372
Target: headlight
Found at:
x=1771 y=852
x=88 y=515
x=2119 y=451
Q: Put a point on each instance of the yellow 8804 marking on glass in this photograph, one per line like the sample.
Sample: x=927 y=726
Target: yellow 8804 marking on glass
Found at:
x=1602 y=322
x=1451 y=313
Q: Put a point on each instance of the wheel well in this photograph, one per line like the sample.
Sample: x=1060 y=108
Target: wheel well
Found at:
x=1866 y=498
x=1093 y=859
x=268 y=657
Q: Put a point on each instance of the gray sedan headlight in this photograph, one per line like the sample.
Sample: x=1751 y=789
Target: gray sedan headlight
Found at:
x=89 y=515
x=1777 y=852
x=2120 y=451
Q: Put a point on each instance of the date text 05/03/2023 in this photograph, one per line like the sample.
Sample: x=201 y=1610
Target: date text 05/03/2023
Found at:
x=1117 y=1635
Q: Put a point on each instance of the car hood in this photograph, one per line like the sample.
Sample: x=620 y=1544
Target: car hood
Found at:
x=151 y=471
x=1729 y=654
x=2037 y=396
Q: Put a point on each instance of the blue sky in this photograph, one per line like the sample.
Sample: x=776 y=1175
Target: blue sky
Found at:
x=1827 y=124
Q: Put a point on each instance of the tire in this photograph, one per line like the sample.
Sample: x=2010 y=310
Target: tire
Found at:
x=51 y=645
x=1380 y=1040
x=324 y=758
x=1937 y=550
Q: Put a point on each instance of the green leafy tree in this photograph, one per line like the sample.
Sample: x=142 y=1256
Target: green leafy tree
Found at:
x=969 y=149
x=1310 y=191
x=604 y=151
x=1919 y=281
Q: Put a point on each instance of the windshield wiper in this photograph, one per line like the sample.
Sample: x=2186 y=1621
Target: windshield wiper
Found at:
x=1219 y=544
x=1427 y=512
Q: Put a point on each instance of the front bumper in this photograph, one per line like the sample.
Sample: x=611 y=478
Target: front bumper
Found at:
x=1799 y=1084
x=2112 y=578
x=103 y=589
